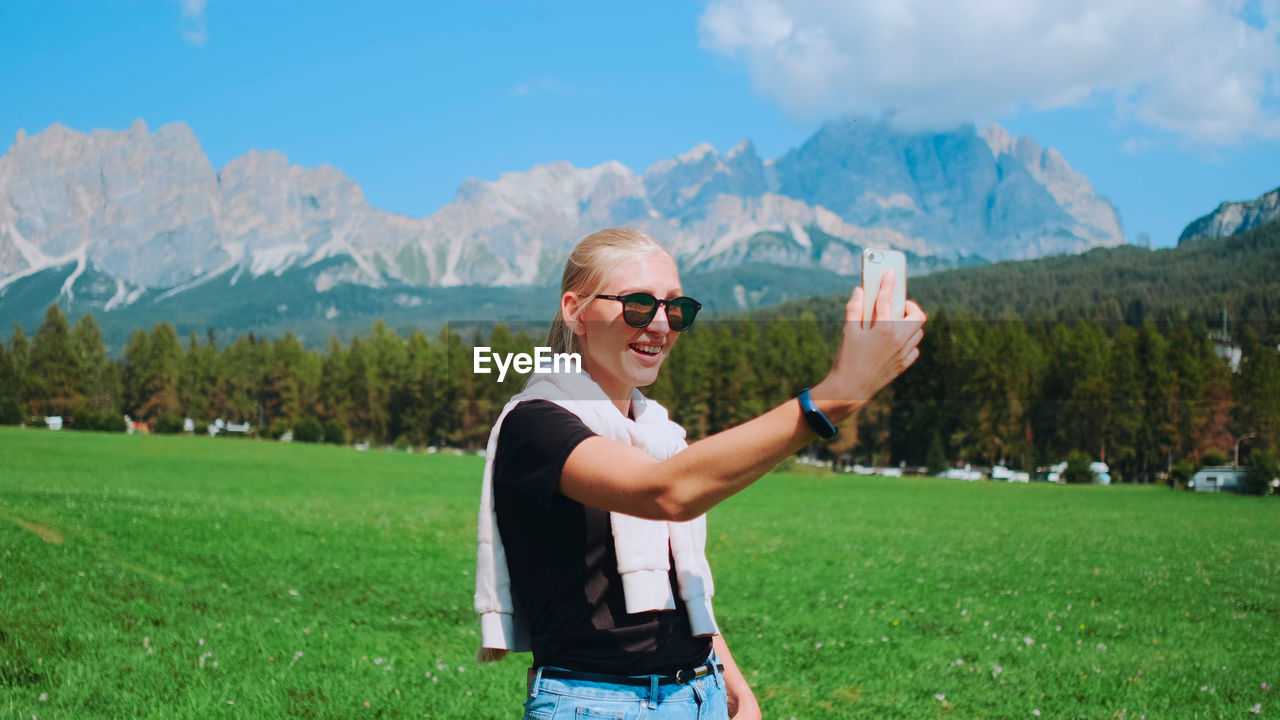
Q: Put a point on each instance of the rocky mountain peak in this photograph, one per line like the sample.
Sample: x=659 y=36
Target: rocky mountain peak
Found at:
x=744 y=148
x=997 y=138
x=146 y=209
x=1234 y=217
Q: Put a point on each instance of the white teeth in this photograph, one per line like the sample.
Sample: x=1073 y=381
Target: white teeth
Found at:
x=651 y=349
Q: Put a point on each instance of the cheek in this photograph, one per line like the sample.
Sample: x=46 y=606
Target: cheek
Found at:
x=606 y=344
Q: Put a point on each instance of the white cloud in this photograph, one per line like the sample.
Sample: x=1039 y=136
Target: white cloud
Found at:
x=193 y=27
x=1197 y=68
x=1137 y=146
x=544 y=84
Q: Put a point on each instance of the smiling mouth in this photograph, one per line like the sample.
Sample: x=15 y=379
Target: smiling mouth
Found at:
x=646 y=350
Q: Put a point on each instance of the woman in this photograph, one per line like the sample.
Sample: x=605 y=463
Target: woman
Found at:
x=592 y=520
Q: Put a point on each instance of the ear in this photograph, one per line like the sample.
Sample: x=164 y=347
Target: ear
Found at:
x=570 y=308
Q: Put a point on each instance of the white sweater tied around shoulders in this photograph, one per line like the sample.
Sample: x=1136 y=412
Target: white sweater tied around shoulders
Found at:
x=641 y=545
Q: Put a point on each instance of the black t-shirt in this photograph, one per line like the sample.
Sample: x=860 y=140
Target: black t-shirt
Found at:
x=564 y=570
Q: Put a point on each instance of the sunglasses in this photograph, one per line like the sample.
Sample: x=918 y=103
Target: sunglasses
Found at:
x=639 y=309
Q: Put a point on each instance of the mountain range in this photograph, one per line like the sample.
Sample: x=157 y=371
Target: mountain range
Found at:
x=138 y=224
x=1231 y=218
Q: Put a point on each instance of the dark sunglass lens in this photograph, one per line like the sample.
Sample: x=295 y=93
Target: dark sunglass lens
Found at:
x=681 y=311
x=638 y=309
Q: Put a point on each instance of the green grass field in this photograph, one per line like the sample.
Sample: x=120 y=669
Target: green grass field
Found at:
x=185 y=577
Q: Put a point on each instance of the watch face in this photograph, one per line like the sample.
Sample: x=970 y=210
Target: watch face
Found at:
x=817 y=421
x=821 y=424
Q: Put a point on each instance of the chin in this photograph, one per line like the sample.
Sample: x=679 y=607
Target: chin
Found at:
x=644 y=377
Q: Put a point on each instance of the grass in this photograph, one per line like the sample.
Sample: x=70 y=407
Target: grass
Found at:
x=197 y=578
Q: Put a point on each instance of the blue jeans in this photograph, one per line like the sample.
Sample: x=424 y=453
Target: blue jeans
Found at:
x=555 y=699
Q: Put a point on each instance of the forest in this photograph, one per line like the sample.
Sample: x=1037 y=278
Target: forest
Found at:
x=1116 y=355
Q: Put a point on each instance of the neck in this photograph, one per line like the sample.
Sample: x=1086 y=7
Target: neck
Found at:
x=619 y=393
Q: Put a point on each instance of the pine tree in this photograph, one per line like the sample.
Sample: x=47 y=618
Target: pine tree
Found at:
x=691 y=372
x=359 y=381
x=1125 y=431
x=166 y=356
x=414 y=411
x=936 y=459
x=285 y=385
x=1024 y=365
x=20 y=355
x=56 y=376
x=813 y=355
x=779 y=359
x=1073 y=409
x=919 y=395
x=1210 y=398
x=244 y=367
x=197 y=392
x=744 y=378
x=332 y=399
x=469 y=415
x=100 y=381
x=724 y=360
x=1157 y=389
x=388 y=361
x=10 y=410
x=137 y=373
x=961 y=393
x=1258 y=390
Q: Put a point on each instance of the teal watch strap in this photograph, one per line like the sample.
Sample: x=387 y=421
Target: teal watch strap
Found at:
x=815 y=418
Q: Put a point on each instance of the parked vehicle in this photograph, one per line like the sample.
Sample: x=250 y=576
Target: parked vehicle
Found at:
x=964 y=473
x=1101 y=472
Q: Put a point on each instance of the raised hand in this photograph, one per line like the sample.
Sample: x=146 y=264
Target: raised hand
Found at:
x=869 y=358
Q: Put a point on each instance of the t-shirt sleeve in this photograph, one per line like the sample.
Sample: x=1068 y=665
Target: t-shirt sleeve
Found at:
x=536 y=439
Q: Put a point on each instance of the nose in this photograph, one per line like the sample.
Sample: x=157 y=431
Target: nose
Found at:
x=660 y=324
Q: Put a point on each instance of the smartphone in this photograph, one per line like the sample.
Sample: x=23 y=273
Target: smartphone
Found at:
x=874 y=264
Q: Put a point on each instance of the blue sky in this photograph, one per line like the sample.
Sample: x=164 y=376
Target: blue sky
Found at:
x=1167 y=112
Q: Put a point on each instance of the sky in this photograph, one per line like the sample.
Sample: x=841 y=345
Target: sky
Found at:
x=1169 y=107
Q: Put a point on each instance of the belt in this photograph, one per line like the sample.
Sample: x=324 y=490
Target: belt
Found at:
x=679 y=677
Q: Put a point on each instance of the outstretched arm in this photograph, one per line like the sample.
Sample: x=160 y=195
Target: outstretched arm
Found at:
x=614 y=476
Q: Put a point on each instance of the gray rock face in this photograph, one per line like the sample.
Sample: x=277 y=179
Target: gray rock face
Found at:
x=141 y=205
x=690 y=182
x=147 y=209
x=959 y=192
x=1234 y=217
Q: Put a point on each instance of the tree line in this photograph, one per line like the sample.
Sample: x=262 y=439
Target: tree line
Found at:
x=1143 y=397
x=1126 y=285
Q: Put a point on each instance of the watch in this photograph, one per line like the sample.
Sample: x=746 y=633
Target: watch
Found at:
x=815 y=418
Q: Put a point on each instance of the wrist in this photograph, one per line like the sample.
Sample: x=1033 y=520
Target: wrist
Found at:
x=834 y=403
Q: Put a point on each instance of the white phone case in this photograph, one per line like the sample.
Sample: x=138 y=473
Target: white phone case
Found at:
x=875 y=262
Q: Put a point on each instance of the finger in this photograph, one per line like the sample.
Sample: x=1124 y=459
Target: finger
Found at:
x=915 y=317
x=853 y=308
x=883 y=310
x=911 y=358
x=915 y=338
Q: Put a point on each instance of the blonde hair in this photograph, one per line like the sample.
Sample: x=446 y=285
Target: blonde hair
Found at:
x=589 y=267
